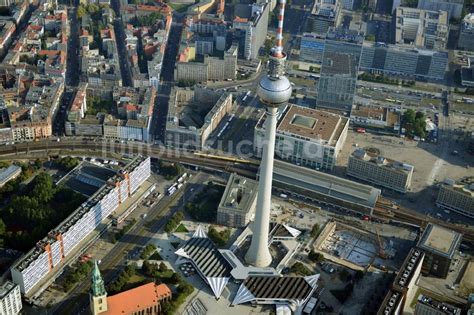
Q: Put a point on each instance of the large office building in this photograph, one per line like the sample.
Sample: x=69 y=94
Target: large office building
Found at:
x=380 y=170
x=312 y=47
x=47 y=258
x=429 y=306
x=457 y=196
x=324 y=15
x=439 y=244
x=305 y=136
x=237 y=205
x=252 y=29
x=212 y=68
x=453 y=7
x=194 y=114
x=466 y=34
x=10 y=299
x=404 y=62
x=340 y=65
x=421 y=28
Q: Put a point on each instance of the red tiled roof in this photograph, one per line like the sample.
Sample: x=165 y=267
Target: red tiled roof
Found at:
x=137 y=299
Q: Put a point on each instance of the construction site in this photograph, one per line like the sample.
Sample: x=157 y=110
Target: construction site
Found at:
x=354 y=248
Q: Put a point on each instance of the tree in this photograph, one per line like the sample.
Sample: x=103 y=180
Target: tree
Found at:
x=220 y=238
x=315 y=230
x=162 y=267
x=38 y=164
x=315 y=257
x=300 y=269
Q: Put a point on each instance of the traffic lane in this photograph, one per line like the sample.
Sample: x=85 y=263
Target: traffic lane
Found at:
x=115 y=260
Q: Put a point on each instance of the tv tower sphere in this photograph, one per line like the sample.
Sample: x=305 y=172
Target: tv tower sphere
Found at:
x=274 y=90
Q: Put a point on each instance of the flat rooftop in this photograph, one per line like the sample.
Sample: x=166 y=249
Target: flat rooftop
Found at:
x=312 y=124
x=87 y=178
x=381 y=161
x=340 y=63
x=376 y=113
x=239 y=193
x=346 y=192
x=440 y=240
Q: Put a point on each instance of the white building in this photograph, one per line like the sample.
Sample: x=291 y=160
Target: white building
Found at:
x=10 y=299
x=379 y=170
x=306 y=136
x=237 y=205
x=46 y=258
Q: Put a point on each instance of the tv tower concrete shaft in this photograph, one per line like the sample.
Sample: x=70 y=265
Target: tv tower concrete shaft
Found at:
x=259 y=253
x=274 y=90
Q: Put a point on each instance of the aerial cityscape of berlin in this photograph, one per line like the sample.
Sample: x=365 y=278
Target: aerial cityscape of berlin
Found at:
x=237 y=157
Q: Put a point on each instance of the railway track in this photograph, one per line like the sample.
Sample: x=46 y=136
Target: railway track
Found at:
x=384 y=211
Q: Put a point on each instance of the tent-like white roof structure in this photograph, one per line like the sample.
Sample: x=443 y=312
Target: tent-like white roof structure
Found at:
x=207 y=259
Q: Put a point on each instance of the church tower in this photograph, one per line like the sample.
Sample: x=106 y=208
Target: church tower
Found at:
x=98 y=295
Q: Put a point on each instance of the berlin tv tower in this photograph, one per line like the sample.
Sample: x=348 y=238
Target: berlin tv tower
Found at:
x=274 y=90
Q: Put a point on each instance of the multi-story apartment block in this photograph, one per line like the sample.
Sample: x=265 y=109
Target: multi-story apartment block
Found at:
x=378 y=170
x=10 y=299
x=187 y=127
x=213 y=68
x=453 y=7
x=7 y=28
x=153 y=44
x=32 y=119
x=312 y=47
x=9 y=173
x=325 y=14
x=457 y=196
x=48 y=257
x=340 y=66
x=237 y=205
x=466 y=35
x=421 y=28
x=253 y=29
x=406 y=62
x=306 y=137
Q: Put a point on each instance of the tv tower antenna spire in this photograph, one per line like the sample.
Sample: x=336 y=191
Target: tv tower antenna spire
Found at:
x=274 y=90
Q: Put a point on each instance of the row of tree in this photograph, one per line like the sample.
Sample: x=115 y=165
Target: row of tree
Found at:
x=32 y=212
x=204 y=206
x=220 y=238
x=174 y=221
x=414 y=123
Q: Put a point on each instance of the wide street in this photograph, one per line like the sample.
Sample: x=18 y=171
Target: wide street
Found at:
x=114 y=261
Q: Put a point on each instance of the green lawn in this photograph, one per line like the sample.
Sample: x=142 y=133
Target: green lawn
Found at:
x=181 y=229
x=179 y=7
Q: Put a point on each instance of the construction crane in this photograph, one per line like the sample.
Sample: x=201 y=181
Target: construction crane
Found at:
x=382 y=253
